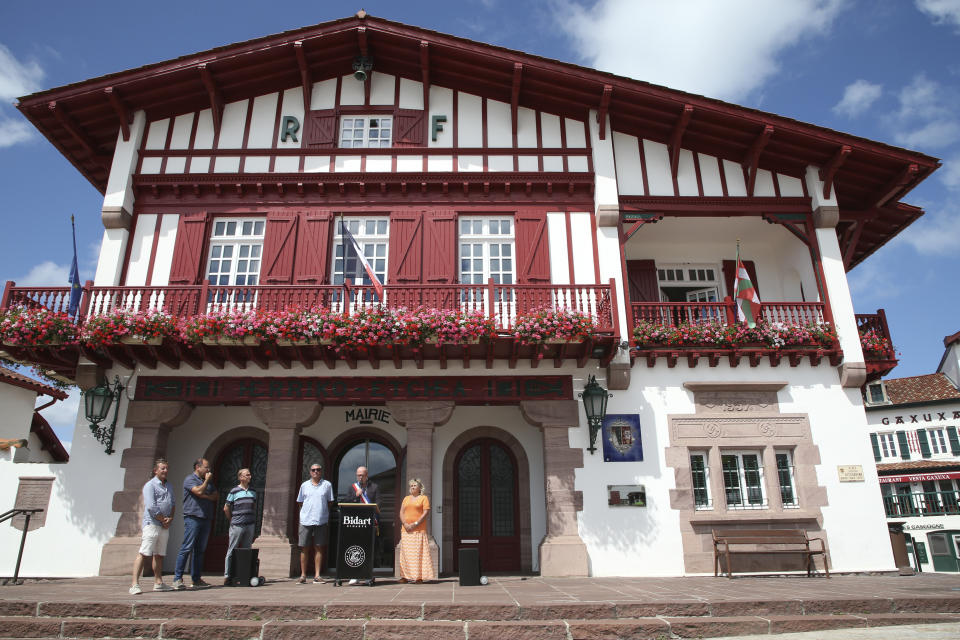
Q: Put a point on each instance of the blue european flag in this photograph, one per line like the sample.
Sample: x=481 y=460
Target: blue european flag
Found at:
x=75 y=290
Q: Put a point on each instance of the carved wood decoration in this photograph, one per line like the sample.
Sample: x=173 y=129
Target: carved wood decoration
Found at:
x=602 y=110
x=213 y=92
x=828 y=172
x=305 y=79
x=67 y=123
x=122 y=113
x=752 y=161
x=896 y=185
x=676 y=138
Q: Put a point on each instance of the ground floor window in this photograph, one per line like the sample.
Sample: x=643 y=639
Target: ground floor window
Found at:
x=701 y=481
x=743 y=480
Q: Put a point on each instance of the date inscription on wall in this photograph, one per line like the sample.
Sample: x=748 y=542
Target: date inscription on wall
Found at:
x=466 y=390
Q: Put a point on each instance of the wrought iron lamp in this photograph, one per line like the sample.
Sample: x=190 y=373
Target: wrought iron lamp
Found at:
x=96 y=405
x=595 y=406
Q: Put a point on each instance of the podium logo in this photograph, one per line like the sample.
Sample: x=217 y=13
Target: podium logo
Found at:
x=354 y=556
x=356 y=521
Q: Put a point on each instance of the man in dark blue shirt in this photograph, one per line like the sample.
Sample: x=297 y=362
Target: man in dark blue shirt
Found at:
x=199 y=499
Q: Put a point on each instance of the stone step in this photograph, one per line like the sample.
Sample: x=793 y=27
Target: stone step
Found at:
x=31 y=626
x=173 y=605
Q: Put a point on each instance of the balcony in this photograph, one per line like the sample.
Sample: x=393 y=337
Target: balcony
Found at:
x=878 y=351
x=927 y=503
x=787 y=332
x=504 y=305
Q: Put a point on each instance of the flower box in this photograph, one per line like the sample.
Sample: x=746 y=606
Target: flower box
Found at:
x=224 y=341
x=154 y=342
x=564 y=341
x=303 y=342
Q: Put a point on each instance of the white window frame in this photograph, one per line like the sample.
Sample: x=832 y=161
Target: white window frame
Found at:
x=939 y=445
x=473 y=233
x=789 y=473
x=746 y=500
x=373 y=235
x=704 y=456
x=348 y=131
x=883 y=393
x=243 y=239
x=888 y=444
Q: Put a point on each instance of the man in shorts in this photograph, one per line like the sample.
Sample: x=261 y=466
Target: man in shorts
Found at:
x=314 y=497
x=158 y=509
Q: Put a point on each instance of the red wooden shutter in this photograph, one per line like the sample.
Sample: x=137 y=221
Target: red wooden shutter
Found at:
x=642 y=278
x=321 y=129
x=440 y=239
x=409 y=128
x=730 y=274
x=533 y=247
x=406 y=247
x=279 y=244
x=188 y=250
x=313 y=248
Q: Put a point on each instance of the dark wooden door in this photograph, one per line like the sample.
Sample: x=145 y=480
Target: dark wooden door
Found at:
x=487 y=510
x=249 y=454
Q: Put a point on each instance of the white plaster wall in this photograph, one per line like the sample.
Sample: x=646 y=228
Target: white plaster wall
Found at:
x=835 y=277
x=351 y=91
x=233 y=125
x=411 y=94
x=205 y=134
x=559 y=254
x=951 y=363
x=291 y=105
x=629 y=166
x=323 y=94
x=763 y=186
x=164 y=258
x=142 y=243
x=119 y=191
x=659 y=176
x=469 y=120
x=382 y=88
x=17 y=405
x=581 y=229
x=789 y=186
x=604 y=164
x=441 y=104
x=576 y=137
x=262 y=121
x=113 y=245
x=316 y=164
x=710 y=175
x=733 y=172
x=526 y=128
x=182 y=125
x=499 y=124
x=686 y=174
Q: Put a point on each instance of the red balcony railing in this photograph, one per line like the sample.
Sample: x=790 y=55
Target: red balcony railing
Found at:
x=676 y=313
x=504 y=303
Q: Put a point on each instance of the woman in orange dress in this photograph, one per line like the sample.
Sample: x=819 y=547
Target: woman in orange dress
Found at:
x=416 y=564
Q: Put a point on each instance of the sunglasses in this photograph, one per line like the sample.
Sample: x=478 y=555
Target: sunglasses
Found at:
x=317 y=470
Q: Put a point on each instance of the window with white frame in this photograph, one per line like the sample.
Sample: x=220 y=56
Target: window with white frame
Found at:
x=785 y=478
x=236 y=245
x=888 y=445
x=743 y=480
x=938 y=441
x=371 y=235
x=876 y=394
x=689 y=282
x=486 y=249
x=700 y=471
x=366 y=132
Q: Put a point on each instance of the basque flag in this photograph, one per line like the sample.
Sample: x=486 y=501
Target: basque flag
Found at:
x=353 y=245
x=75 y=289
x=745 y=293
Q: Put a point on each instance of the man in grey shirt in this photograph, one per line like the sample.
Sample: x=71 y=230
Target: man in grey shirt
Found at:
x=158 y=509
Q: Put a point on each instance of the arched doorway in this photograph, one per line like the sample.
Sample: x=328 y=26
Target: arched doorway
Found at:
x=382 y=462
x=247 y=453
x=486 y=506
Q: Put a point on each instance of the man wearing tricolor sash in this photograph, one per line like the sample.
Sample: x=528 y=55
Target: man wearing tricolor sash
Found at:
x=368 y=493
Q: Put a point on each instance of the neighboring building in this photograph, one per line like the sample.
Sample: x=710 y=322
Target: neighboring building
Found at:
x=473 y=178
x=25 y=435
x=913 y=426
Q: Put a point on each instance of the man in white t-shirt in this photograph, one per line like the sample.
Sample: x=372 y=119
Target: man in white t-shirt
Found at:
x=314 y=497
x=158 y=510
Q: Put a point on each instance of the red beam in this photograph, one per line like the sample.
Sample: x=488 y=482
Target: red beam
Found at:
x=213 y=93
x=304 y=74
x=67 y=123
x=897 y=184
x=362 y=41
x=752 y=160
x=602 y=111
x=425 y=75
x=515 y=98
x=677 y=136
x=122 y=114
x=828 y=172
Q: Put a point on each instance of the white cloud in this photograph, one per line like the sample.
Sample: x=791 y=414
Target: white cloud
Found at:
x=62 y=416
x=950 y=172
x=47 y=273
x=17 y=78
x=936 y=233
x=926 y=116
x=720 y=49
x=858 y=97
x=942 y=11
x=922 y=98
x=872 y=282
x=13 y=131
x=933 y=135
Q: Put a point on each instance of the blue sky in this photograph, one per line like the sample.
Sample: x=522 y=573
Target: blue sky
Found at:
x=884 y=69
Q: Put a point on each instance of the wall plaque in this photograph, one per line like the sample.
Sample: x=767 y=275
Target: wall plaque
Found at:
x=850 y=472
x=621 y=438
x=626 y=495
x=33 y=493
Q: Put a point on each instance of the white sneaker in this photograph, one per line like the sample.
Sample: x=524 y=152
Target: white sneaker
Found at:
x=353 y=581
x=135 y=590
x=162 y=587
x=178 y=585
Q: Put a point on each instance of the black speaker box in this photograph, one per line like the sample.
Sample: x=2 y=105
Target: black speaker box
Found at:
x=468 y=561
x=245 y=565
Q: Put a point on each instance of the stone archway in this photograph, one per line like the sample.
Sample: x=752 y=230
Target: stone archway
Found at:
x=523 y=483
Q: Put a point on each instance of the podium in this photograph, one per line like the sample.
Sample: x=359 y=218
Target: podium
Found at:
x=356 y=540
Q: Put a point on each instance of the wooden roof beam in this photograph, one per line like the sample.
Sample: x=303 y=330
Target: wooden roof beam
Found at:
x=676 y=138
x=305 y=79
x=122 y=113
x=515 y=98
x=752 y=161
x=828 y=172
x=67 y=123
x=896 y=185
x=213 y=93
x=602 y=110
x=851 y=242
x=425 y=74
x=362 y=41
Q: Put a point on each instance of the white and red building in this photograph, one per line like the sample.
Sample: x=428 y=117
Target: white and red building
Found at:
x=477 y=177
x=913 y=425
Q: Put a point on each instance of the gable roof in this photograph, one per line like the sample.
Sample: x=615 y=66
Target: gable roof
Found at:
x=82 y=119
x=926 y=388
x=24 y=382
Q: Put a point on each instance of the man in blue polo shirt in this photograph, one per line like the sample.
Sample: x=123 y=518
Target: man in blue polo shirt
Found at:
x=199 y=498
x=241 y=510
x=315 y=497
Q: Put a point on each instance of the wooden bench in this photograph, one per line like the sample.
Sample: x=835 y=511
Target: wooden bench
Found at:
x=769 y=542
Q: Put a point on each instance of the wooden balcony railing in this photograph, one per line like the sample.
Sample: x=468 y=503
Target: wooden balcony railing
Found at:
x=925 y=503
x=877 y=323
x=504 y=303
x=676 y=313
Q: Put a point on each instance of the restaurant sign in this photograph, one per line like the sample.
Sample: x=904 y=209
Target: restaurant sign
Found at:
x=920 y=477
x=464 y=390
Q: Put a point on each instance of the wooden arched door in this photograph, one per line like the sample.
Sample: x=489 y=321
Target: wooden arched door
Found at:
x=487 y=514
x=247 y=453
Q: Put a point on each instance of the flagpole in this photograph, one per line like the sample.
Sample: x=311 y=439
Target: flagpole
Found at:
x=343 y=255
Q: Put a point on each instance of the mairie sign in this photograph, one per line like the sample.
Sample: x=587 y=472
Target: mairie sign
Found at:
x=477 y=390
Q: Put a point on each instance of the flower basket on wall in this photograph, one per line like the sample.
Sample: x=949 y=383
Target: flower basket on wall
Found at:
x=36 y=327
x=553 y=326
